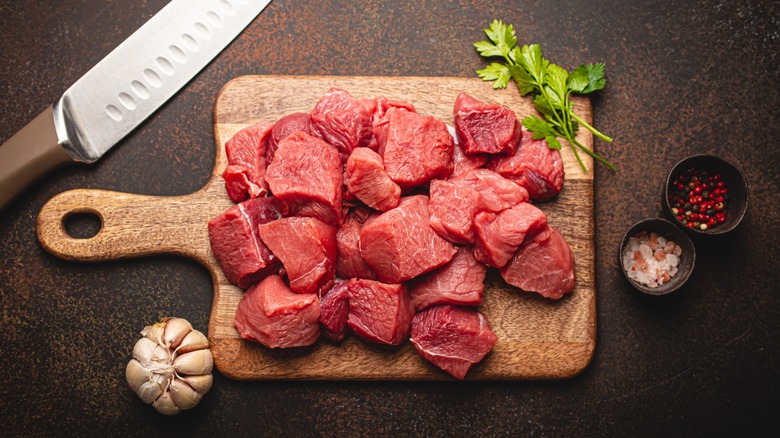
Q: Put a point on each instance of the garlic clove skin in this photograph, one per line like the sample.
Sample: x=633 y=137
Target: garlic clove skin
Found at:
x=148 y=384
x=194 y=362
x=150 y=391
x=184 y=395
x=171 y=366
x=175 y=330
x=194 y=340
x=143 y=351
x=136 y=374
x=201 y=383
x=165 y=404
x=154 y=332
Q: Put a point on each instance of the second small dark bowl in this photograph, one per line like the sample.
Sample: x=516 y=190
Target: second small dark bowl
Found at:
x=733 y=179
x=669 y=231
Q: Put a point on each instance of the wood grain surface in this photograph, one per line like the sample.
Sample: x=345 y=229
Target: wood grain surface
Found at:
x=537 y=338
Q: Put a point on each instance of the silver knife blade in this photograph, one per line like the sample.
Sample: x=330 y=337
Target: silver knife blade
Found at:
x=144 y=71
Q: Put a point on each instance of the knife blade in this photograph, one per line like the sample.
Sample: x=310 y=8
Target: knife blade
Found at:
x=123 y=89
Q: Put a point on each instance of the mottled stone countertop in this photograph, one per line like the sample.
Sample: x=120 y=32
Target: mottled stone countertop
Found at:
x=684 y=77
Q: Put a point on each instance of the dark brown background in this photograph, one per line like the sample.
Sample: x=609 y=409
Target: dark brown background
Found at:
x=683 y=78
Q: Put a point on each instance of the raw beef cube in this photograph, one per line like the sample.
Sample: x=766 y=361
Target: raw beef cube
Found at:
x=350 y=263
x=363 y=213
x=453 y=208
x=485 y=128
x=497 y=193
x=246 y=162
x=544 y=265
x=452 y=337
x=238 y=185
x=368 y=181
x=379 y=124
x=416 y=148
x=343 y=121
x=307 y=249
x=382 y=104
x=241 y=254
x=379 y=312
x=400 y=244
x=334 y=308
x=498 y=235
x=284 y=127
x=269 y=313
x=534 y=166
x=461 y=281
x=463 y=163
x=306 y=177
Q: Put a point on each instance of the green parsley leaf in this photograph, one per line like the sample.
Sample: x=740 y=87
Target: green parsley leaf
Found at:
x=595 y=75
x=554 y=100
x=487 y=49
x=532 y=61
x=496 y=72
x=525 y=83
x=578 y=79
x=540 y=128
x=543 y=106
x=553 y=143
x=502 y=35
x=515 y=54
x=556 y=78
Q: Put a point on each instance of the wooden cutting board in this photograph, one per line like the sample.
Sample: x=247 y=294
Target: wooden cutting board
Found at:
x=537 y=338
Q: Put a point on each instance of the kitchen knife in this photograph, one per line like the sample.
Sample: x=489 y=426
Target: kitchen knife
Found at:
x=123 y=89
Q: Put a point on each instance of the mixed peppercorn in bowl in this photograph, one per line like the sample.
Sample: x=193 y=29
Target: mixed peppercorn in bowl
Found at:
x=706 y=195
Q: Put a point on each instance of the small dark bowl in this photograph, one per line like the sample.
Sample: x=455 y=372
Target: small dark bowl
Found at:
x=669 y=231
x=733 y=179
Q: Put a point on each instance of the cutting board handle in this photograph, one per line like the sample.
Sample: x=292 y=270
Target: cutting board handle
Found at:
x=131 y=225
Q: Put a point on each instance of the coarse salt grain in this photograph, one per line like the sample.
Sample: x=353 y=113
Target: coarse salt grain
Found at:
x=651 y=259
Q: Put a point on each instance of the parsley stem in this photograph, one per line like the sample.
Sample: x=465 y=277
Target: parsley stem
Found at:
x=594 y=155
x=572 y=142
x=592 y=129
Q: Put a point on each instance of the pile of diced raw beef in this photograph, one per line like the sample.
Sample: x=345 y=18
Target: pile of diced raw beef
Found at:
x=365 y=215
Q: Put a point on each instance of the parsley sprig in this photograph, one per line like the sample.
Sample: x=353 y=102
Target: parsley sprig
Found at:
x=549 y=85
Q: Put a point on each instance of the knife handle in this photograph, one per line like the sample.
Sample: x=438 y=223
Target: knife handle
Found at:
x=28 y=155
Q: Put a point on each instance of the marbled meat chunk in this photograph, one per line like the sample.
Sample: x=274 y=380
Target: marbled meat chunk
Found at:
x=306 y=177
x=452 y=337
x=343 y=121
x=284 y=127
x=461 y=281
x=379 y=312
x=307 y=249
x=463 y=163
x=369 y=182
x=485 y=128
x=350 y=263
x=453 y=208
x=271 y=314
x=544 y=265
x=416 y=148
x=498 y=235
x=236 y=244
x=334 y=309
x=496 y=192
x=400 y=244
x=246 y=150
x=534 y=166
x=379 y=125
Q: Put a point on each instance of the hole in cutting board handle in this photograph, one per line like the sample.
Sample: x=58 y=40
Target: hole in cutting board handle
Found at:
x=82 y=224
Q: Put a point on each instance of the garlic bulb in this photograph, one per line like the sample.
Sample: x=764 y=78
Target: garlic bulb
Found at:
x=171 y=366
